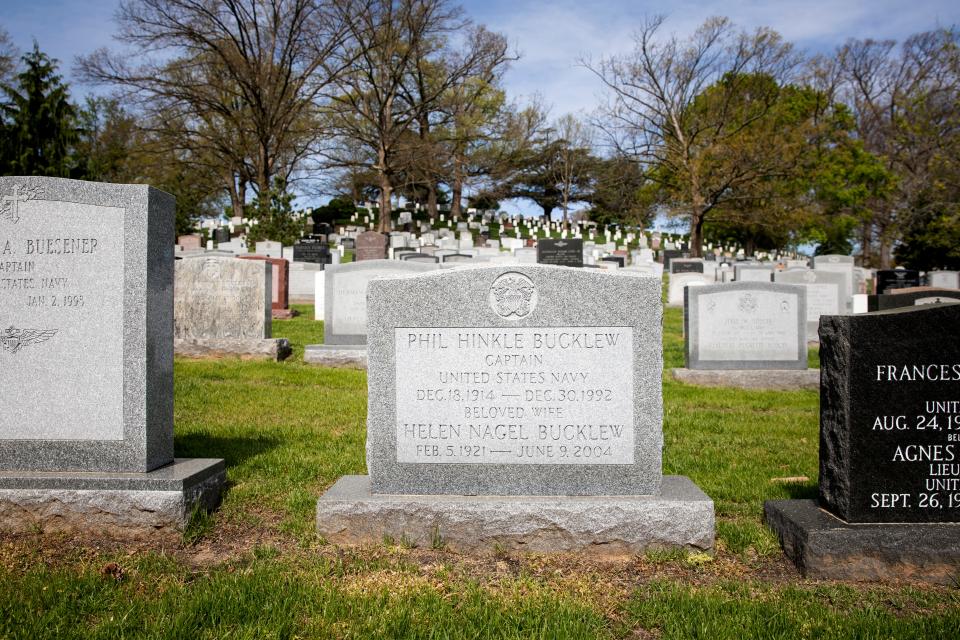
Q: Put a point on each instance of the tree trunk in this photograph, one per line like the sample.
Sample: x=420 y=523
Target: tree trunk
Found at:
x=263 y=169
x=547 y=210
x=237 y=191
x=456 y=193
x=386 y=192
x=432 y=201
x=696 y=233
x=698 y=212
x=886 y=252
x=866 y=246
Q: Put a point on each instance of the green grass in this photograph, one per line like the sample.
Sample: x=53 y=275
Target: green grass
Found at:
x=256 y=569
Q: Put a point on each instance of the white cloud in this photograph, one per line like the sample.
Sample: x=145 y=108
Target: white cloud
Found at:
x=553 y=35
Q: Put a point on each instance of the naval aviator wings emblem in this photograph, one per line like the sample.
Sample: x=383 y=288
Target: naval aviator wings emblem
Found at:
x=14 y=339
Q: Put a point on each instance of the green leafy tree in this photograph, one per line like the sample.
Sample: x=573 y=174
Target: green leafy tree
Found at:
x=932 y=243
x=336 y=209
x=618 y=193
x=273 y=212
x=683 y=105
x=39 y=122
x=107 y=140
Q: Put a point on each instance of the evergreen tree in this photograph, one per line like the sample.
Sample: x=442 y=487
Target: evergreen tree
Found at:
x=39 y=123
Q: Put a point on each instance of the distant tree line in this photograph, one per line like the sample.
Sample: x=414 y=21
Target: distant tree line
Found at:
x=232 y=105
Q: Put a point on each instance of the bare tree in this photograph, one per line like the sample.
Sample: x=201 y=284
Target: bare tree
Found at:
x=403 y=68
x=574 y=162
x=653 y=90
x=8 y=58
x=905 y=104
x=238 y=80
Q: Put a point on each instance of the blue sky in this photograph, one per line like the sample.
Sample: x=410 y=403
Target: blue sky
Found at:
x=550 y=35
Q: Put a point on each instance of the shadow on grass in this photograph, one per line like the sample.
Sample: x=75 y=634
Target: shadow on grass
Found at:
x=798 y=491
x=234 y=450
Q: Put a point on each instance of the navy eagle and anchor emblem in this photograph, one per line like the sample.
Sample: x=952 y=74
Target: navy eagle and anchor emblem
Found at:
x=513 y=294
x=14 y=339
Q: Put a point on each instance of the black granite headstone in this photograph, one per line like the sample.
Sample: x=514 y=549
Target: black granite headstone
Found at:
x=914 y=297
x=315 y=252
x=620 y=260
x=896 y=279
x=890 y=415
x=668 y=255
x=566 y=253
x=221 y=235
x=684 y=266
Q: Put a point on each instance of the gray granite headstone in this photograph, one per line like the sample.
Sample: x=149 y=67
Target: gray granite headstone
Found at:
x=270 y=249
x=753 y=273
x=86 y=365
x=345 y=296
x=838 y=264
x=86 y=273
x=746 y=325
x=499 y=382
x=944 y=279
x=827 y=293
x=678 y=282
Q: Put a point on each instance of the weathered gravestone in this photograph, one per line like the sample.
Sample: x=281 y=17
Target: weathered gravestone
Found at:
x=889 y=451
x=86 y=365
x=345 y=309
x=889 y=279
x=221 y=306
x=493 y=418
x=565 y=253
x=190 y=242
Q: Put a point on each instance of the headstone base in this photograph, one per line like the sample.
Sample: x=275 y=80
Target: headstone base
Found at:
x=779 y=379
x=282 y=314
x=680 y=516
x=346 y=356
x=823 y=546
x=271 y=348
x=154 y=506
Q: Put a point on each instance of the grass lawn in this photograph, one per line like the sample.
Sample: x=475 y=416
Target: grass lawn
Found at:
x=256 y=569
